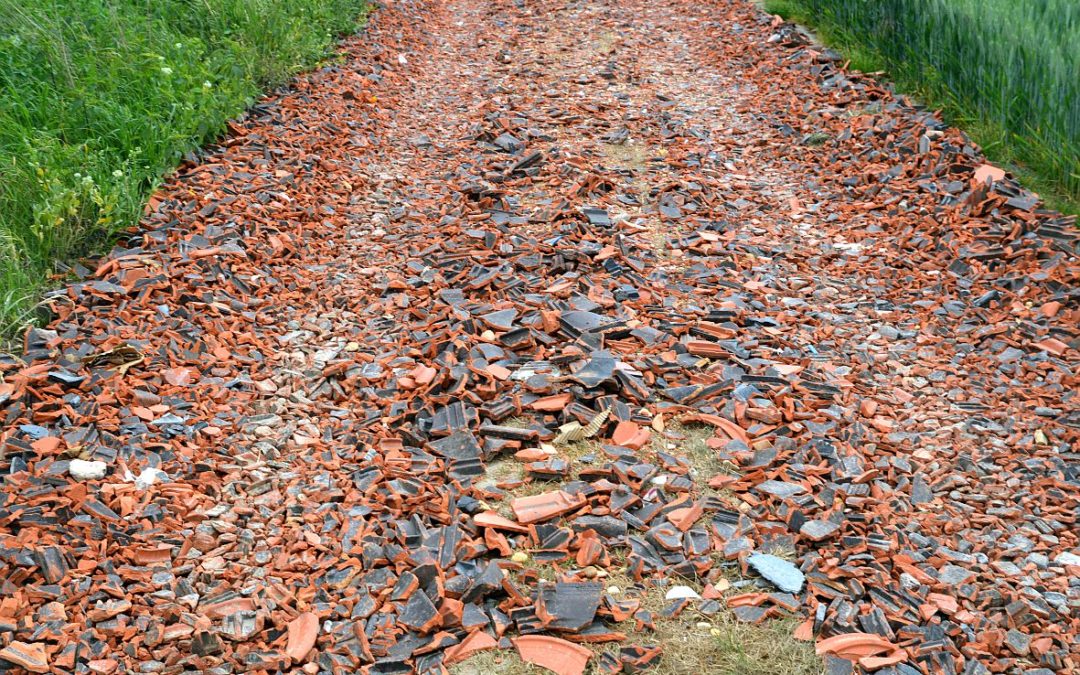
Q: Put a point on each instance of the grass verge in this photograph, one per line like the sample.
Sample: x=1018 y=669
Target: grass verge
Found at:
x=1004 y=71
x=99 y=99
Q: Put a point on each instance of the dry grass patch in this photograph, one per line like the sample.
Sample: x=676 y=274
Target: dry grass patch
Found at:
x=517 y=423
x=607 y=42
x=729 y=647
x=692 y=643
x=544 y=571
x=497 y=662
x=781 y=551
x=627 y=155
x=662 y=238
x=695 y=644
x=575 y=452
x=500 y=470
x=690 y=441
x=658 y=239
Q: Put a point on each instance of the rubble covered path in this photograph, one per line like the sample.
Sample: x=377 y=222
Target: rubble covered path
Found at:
x=558 y=236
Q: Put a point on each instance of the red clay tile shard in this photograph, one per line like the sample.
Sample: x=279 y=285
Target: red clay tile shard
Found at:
x=1052 y=345
x=46 y=445
x=419 y=613
x=103 y=611
x=727 y=427
x=493 y=519
x=630 y=435
x=152 y=554
x=103 y=666
x=218 y=610
x=590 y=552
x=303 y=631
x=500 y=373
x=179 y=377
x=537 y=508
x=804 y=631
x=872 y=663
x=706 y=348
x=686 y=518
x=854 y=645
x=477 y=641
x=29 y=656
x=552 y=403
x=424 y=375
x=988 y=172
x=559 y=656
x=568 y=606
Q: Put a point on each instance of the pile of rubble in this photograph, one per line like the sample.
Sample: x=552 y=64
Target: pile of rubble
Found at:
x=256 y=436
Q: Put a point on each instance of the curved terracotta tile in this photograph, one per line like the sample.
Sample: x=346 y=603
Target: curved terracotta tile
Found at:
x=559 y=656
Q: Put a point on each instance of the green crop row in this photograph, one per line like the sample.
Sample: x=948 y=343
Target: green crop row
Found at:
x=99 y=99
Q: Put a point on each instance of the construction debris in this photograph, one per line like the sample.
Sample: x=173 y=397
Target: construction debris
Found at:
x=258 y=435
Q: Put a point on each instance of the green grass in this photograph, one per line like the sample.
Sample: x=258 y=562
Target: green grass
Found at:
x=99 y=99
x=1006 y=71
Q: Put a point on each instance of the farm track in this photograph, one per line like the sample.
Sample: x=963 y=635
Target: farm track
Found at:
x=492 y=224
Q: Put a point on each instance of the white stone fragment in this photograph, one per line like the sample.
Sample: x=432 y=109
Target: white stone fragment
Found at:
x=148 y=477
x=81 y=469
x=680 y=592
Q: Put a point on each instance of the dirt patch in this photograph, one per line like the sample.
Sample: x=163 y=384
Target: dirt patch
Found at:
x=630 y=156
